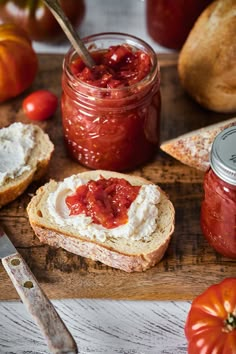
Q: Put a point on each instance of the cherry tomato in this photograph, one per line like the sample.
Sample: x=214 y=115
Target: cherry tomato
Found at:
x=40 y=105
x=211 y=323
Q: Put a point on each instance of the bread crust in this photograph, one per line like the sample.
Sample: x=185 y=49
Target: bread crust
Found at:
x=97 y=252
x=39 y=161
x=103 y=252
x=193 y=148
x=206 y=64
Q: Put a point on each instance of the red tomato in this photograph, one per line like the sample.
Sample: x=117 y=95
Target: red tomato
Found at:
x=211 y=323
x=40 y=105
x=36 y=19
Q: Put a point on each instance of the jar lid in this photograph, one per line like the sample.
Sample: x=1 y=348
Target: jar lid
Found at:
x=223 y=155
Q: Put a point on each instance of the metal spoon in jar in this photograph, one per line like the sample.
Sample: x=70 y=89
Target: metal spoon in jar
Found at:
x=69 y=31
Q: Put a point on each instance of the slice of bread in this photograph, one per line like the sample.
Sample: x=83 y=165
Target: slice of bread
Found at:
x=193 y=148
x=122 y=253
x=38 y=161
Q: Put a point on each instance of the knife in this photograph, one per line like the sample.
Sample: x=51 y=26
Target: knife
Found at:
x=58 y=338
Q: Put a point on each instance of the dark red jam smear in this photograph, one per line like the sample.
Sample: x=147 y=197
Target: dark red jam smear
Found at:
x=106 y=201
x=118 y=66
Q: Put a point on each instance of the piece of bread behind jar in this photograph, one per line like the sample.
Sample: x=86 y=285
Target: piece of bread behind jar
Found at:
x=193 y=148
x=207 y=61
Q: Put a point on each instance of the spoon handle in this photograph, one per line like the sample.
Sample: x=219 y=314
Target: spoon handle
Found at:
x=71 y=34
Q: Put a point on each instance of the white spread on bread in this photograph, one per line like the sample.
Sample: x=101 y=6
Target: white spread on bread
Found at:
x=16 y=143
x=142 y=214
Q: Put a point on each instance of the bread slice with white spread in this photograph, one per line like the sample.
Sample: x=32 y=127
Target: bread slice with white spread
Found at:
x=135 y=246
x=193 y=148
x=25 y=152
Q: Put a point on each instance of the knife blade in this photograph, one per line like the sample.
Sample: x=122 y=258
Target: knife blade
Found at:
x=56 y=334
x=6 y=246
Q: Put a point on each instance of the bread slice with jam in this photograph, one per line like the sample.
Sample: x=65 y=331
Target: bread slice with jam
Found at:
x=128 y=253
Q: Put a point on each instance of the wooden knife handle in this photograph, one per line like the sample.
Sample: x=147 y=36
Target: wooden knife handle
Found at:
x=58 y=337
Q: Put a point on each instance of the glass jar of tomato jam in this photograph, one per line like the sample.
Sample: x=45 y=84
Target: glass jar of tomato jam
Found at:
x=111 y=113
x=170 y=21
x=218 y=211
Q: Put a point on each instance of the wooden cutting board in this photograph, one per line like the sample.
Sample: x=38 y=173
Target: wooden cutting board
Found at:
x=189 y=265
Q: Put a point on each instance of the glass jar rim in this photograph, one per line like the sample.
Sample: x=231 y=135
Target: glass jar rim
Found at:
x=127 y=38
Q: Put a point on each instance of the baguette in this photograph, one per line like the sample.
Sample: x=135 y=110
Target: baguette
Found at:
x=123 y=253
x=206 y=64
x=193 y=148
x=36 y=163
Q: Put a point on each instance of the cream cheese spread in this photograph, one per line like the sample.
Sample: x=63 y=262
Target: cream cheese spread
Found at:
x=142 y=214
x=16 y=143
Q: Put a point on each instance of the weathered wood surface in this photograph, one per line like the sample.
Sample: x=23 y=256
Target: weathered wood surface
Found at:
x=189 y=265
x=52 y=327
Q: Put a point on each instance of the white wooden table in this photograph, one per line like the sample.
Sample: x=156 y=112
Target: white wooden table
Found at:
x=103 y=326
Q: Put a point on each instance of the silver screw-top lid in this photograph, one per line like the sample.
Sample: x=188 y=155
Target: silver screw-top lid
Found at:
x=223 y=155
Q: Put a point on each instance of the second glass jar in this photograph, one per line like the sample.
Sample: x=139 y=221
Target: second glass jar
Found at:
x=170 y=21
x=111 y=128
x=218 y=211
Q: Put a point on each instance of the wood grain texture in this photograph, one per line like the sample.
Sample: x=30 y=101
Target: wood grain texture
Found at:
x=56 y=334
x=189 y=265
x=101 y=327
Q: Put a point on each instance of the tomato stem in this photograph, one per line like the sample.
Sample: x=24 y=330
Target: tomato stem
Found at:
x=32 y=5
x=230 y=322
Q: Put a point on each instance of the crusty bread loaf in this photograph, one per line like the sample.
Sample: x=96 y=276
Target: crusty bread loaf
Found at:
x=207 y=60
x=193 y=148
x=38 y=162
x=119 y=253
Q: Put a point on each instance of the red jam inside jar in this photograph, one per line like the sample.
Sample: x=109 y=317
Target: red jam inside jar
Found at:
x=116 y=67
x=170 y=21
x=218 y=210
x=218 y=214
x=106 y=201
x=111 y=113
